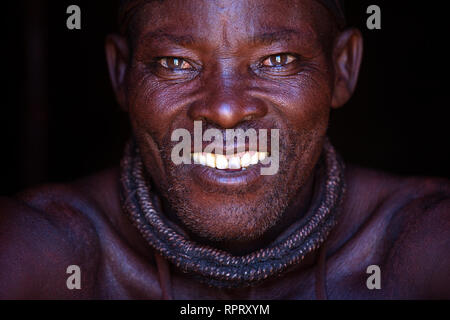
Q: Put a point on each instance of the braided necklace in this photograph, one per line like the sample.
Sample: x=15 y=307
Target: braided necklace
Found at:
x=219 y=268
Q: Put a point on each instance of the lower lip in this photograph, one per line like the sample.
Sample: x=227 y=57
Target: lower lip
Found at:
x=229 y=179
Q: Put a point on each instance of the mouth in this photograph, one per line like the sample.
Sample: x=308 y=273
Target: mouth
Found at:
x=227 y=174
x=236 y=162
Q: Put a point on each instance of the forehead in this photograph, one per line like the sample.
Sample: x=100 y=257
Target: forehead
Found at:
x=231 y=20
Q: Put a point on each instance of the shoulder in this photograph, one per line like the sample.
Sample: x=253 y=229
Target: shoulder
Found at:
x=409 y=220
x=419 y=236
x=374 y=191
x=43 y=231
x=376 y=188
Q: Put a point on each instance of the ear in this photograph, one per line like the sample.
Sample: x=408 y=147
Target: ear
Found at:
x=117 y=55
x=347 y=56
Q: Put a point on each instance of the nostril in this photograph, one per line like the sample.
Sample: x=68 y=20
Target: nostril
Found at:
x=196 y=113
x=227 y=113
x=200 y=118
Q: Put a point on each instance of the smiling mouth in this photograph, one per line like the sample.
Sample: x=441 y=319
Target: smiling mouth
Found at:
x=240 y=161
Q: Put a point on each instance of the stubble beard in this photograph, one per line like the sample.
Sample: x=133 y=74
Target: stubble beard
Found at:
x=247 y=218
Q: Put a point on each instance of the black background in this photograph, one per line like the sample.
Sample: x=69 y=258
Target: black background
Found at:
x=59 y=119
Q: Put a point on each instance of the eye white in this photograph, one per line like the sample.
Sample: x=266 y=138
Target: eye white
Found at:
x=278 y=60
x=177 y=63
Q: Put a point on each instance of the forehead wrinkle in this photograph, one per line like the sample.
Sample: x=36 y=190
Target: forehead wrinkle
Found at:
x=161 y=35
x=257 y=32
x=281 y=35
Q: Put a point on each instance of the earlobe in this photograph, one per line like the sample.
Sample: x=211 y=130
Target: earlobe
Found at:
x=347 y=56
x=117 y=55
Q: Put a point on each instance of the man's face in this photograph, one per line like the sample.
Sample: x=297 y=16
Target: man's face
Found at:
x=262 y=64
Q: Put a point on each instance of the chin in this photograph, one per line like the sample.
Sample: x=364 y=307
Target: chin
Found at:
x=229 y=218
x=231 y=212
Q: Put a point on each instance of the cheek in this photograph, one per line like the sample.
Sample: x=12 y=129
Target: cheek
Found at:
x=156 y=108
x=304 y=103
x=147 y=104
x=310 y=111
x=150 y=113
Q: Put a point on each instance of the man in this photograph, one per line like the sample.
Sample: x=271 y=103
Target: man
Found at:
x=203 y=230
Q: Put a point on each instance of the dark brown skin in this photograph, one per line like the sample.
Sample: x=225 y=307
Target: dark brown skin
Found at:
x=400 y=224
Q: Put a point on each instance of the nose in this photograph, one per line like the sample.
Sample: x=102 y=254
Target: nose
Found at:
x=227 y=105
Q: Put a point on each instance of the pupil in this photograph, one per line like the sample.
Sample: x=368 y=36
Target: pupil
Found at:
x=278 y=60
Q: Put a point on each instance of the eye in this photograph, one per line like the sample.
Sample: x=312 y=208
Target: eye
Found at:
x=175 y=63
x=278 y=60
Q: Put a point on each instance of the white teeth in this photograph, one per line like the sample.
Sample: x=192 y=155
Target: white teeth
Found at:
x=221 y=162
x=202 y=159
x=211 y=160
x=254 y=158
x=245 y=160
x=234 y=163
x=195 y=158
x=262 y=155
